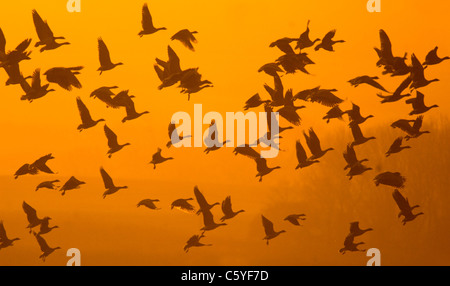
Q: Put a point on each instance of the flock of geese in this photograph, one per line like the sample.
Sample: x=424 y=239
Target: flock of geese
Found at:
x=294 y=59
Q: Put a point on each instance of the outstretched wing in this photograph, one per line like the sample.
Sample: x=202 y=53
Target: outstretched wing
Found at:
x=226 y=205
x=268 y=226
x=103 y=53
x=3 y=236
x=402 y=203
x=107 y=181
x=200 y=198
x=147 y=22
x=42 y=29
x=84 y=112
x=31 y=212
x=112 y=137
x=42 y=243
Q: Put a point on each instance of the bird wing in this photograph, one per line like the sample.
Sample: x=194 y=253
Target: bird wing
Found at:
x=36 y=79
x=172 y=128
x=200 y=198
x=356 y=131
x=290 y=114
x=108 y=182
x=313 y=142
x=112 y=137
x=84 y=112
x=23 y=45
x=403 y=85
x=402 y=203
x=42 y=28
x=248 y=151
x=354 y=227
x=325 y=97
x=2 y=42
x=268 y=225
x=301 y=153
x=403 y=125
x=418 y=123
x=279 y=89
x=147 y=23
x=226 y=206
x=103 y=53
x=42 y=243
x=386 y=47
x=417 y=70
x=3 y=236
x=397 y=143
x=31 y=212
x=350 y=155
x=174 y=61
x=329 y=36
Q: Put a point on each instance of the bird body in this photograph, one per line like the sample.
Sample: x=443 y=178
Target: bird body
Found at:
x=370 y=80
x=113 y=144
x=71 y=184
x=183 y=205
x=418 y=104
x=104 y=57
x=405 y=208
x=327 y=42
x=194 y=241
x=201 y=200
x=32 y=217
x=45 y=34
x=302 y=158
x=358 y=136
x=396 y=147
x=149 y=203
x=64 y=77
x=86 y=119
x=313 y=143
x=269 y=230
x=147 y=23
x=227 y=209
x=304 y=41
x=433 y=59
x=355 y=230
x=46 y=250
x=158 y=159
x=109 y=184
x=186 y=37
x=294 y=218
x=4 y=240
x=390 y=179
x=48 y=185
x=350 y=245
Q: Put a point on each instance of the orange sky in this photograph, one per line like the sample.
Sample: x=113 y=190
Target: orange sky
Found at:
x=233 y=42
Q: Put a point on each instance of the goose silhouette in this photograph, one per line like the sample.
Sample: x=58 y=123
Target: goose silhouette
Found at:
x=269 y=230
x=45 y=34
x=105 y=58
x=109 y=184
x=147 y=23
x=228 y=210
x=4 y=240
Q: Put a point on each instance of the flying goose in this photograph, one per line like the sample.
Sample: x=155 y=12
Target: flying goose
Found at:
x=149 y=203
x=302 y=158
x=183 y=205
x=284 y=44
x=109 y=184
x=433 y=59
x=334 y=112
x=104 y=57
x=396 y=147
x=397 y=95
x=328 y=42
x=86 y=119
x=4 y=240
x=355 y=116
x=208 y=221
x=45 y=34
x=36 y=90
x=71 y=184
x=350 y=245
x=412 y=131
x=395 y=180
x=357 y=169
x=350 y=157
x=358 y=136
x=254 y=101
x=174 y=136
x=418 y=104
x=271 y=69
x=370 y=80
x=313 y=143
x=268 y=229
x=147 y=23
x=48 y=185
x=32 y=217
x=15 y=56
x=44 y=228
x=64 y=77
x=356 y=231
x=405 y=208
x=186 y=37
x=202 y=203
x=194 y=241
x=294 y=218
x=304 y=41
x=262 y=168
x=417 y=74
x=46 y=250
x=158 y=159
x=227 y=209
x=113 y=145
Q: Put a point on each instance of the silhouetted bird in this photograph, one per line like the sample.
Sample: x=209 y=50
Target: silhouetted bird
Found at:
x=433 y=59
x=46 y=250
x=158 y=159
x=147 y=23
x=357 y=169
x=45 y=34
x=350 y=157
x=208 y=221
x=15 y=56
x=412 y=131
x=109 y=184
x=26 y=169
x=325 y=97
x=227 y=209
x=254 y=101
x=32 y=218
x=328 y=42
x=131 y=111
x=397 y=95
x=14 y=74
x=202 y=203
x=191 y=82
x=183 y=205
x=418 y=104
x=64 y=77
x=350 y=245
x=392 y=65
x=417 y=74
x=334 y=112
x=304 y=41
x=36 y=90
x=4 y=240
x=72 y=184
x=194 y=241
x=284 y=44
x=294 y=218
x=289 y=110
x=37 y=166
x=396 y=147
x=405 y=208
x=263 y=169
x=302 y=158
x=370 y=80
x=45 y=228
x=390 y=179
x=268 y=229
x=355 y=116
x=271 y=69
x=277 y=93
x=293 y=62
x=104 y=57
x=149 y=203
x=47 y=185
x=313 y=143
x=174 y=136
x=186 y=37
x=356 y=231
x=171 y=72
x=113 y=145
x=86 y=119
x=104 y=93
x=358 y=137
